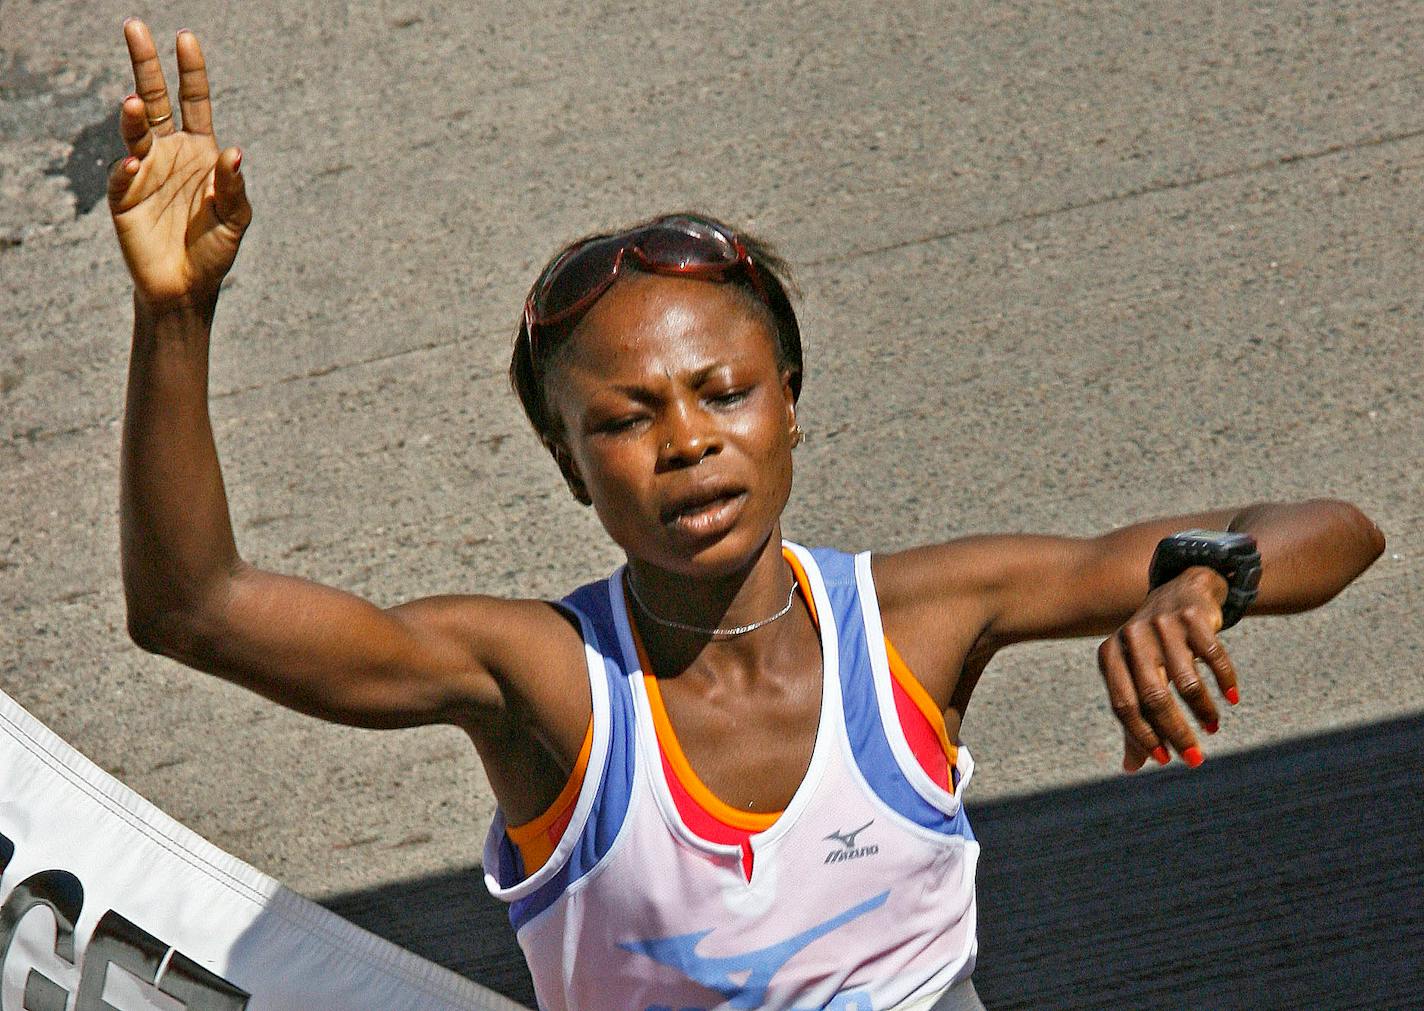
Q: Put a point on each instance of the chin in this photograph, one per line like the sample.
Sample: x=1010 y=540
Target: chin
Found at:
x=723 y=542
x=727 y=555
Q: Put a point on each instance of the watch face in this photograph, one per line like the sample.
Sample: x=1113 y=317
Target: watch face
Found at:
x=1234 y=555
x=1224 y=540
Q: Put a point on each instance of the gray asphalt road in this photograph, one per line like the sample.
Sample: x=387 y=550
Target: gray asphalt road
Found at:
x=1064 y=266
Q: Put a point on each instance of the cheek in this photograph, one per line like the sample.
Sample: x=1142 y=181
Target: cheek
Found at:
x=611 y=473
x=773 y=455
x=783 y=469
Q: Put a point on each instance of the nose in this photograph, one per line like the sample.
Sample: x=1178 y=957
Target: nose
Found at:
x=689 y=435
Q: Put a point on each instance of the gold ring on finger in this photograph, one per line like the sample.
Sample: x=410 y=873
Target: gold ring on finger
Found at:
x=158 y=120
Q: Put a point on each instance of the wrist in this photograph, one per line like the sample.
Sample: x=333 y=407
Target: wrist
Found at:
x=1207 y=581
x=184 y=318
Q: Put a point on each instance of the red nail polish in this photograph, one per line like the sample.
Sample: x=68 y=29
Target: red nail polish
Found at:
x=1211 y=728
x=1193 y=757
x=1232 y=695
x=1162 y=755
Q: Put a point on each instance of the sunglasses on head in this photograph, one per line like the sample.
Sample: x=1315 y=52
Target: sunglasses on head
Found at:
x=681 y=245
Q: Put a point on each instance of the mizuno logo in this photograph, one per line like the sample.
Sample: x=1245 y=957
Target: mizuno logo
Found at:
x=851 y=850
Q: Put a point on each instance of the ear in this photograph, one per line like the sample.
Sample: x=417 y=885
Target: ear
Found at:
x=569 y=469
x=788 y=394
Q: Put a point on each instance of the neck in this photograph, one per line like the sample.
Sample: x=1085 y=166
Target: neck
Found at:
x=748 y=596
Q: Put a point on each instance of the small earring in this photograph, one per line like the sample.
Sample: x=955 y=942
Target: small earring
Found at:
x=798 y=435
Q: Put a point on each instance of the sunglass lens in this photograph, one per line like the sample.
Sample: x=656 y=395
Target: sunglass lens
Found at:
x=569 y=280
x=685 y=242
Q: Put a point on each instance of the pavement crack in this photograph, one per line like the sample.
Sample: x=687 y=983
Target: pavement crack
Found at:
x=326 y=370
x=1270 y=164
x=36 y=436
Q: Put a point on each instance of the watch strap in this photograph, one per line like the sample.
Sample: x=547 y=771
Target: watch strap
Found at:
x=1232 y=555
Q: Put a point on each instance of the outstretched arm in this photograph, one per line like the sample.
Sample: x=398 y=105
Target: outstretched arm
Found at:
x=998 y=590
x=180 y=209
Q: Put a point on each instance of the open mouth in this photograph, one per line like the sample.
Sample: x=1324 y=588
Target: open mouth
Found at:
x=705 y=514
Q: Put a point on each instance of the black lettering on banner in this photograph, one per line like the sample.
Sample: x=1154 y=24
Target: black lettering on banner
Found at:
x=62 y=893
x=116 y=941
x=198 y=988
x=43 y=994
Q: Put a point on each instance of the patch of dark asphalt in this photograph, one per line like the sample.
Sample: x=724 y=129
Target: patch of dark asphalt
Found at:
x=18 y=81
x=87 y=167
x=40 y=104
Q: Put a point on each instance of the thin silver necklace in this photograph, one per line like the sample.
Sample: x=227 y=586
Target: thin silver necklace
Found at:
x=715 y=633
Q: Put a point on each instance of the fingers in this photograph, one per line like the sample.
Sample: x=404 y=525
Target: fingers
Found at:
x=1156 y=652
x=193 y=85
x=1154 y=694
x=121 y=177
x=230 y=192
x=133 y=127
x=1202 y=638
x=1122 y=695
x=1133 y=757
x=1142 y=696
x=1182 y=670
x=148 y=77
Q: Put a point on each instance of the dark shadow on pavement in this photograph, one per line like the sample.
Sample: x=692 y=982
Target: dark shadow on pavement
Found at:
x=1287 y=877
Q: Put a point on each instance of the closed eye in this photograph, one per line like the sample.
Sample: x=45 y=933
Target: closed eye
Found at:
x=623 y=423
x=729 y=398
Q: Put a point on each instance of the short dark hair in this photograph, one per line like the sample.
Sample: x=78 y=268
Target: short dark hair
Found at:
x=528 y=366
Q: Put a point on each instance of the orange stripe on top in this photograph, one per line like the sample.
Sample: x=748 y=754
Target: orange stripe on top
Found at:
x=675 y=760
x=921 y=721
x=536 y=839
x=802 y=583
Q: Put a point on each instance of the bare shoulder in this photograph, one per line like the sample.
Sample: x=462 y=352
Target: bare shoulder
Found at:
x=934 y=571
x=533 y=649
x=935 y=603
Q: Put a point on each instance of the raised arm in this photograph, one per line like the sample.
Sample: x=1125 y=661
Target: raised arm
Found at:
x=958 y=603
x=180 y=209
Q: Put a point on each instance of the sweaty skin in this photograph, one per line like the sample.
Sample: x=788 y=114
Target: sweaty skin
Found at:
x=676 y=424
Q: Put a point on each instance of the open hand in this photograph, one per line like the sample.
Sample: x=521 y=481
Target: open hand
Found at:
x=178 y=202
x=1157 y=650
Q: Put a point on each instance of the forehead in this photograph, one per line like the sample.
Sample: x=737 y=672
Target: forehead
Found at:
x=655 y=325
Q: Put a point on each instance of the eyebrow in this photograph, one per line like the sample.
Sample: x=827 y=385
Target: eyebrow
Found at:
x=639 y=392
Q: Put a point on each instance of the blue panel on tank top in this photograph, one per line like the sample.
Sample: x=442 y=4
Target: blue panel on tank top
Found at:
x=864 y=726
x=611 y=805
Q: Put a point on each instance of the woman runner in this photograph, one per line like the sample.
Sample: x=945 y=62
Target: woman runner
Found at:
x=728 y=775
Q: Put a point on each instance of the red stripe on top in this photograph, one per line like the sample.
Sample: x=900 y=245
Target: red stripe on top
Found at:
x=923 y=739
x=702 y=822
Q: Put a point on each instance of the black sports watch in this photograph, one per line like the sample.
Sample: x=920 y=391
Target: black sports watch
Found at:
x=1231 y=554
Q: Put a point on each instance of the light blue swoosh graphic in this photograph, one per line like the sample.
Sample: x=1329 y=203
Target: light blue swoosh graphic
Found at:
x=716 y=974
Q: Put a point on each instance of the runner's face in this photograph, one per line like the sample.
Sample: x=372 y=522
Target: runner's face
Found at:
x=677 y=419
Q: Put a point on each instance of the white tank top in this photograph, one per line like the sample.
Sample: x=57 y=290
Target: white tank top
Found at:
x=861 y=896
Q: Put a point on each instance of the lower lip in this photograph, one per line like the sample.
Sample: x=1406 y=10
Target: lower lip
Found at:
x=709 y=520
